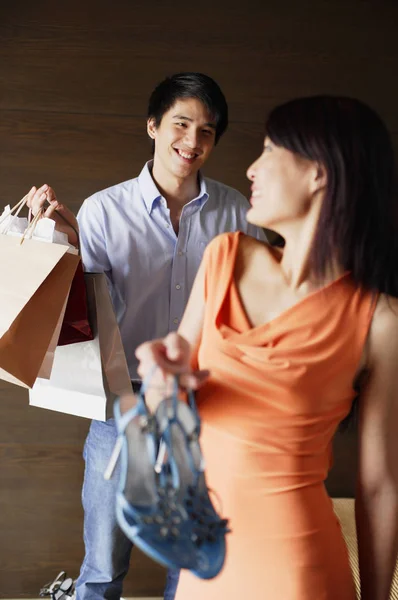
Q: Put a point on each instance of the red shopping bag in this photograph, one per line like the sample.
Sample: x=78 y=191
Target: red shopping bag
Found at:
x=76 y=326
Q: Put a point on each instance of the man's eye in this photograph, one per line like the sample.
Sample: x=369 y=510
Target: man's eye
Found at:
x=207 y=132
x=181 y=124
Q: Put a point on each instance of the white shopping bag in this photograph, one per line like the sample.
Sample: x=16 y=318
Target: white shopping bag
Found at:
x=35 y=281
x=87 y=376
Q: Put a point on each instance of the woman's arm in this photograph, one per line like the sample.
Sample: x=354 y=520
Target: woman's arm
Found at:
x=173 y=353
x=377 y=490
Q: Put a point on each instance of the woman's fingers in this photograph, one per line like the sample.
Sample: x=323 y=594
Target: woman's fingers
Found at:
x=194 y=380
x=171 y=356
x=155 y=353
x=177 y=348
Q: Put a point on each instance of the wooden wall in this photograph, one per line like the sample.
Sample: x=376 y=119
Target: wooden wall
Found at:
x=74 y=82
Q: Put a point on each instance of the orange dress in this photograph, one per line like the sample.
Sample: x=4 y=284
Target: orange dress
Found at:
x=275 y=397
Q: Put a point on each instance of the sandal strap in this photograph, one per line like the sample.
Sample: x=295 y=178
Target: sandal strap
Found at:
x=124 y=419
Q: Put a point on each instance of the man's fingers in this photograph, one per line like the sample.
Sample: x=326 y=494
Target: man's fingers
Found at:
x=50 y=211
x=30 y=196
x=51 y=197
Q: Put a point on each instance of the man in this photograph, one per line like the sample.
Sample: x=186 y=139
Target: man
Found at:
x=148 y=235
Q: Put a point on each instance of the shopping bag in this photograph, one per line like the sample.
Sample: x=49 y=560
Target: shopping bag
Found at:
x=47 y=364
x=35 y=280
x=75 y=324
x=87 y=376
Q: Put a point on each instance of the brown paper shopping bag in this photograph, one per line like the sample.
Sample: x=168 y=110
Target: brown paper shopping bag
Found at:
x=87 y=376
x=35 y=281
x=47 y=364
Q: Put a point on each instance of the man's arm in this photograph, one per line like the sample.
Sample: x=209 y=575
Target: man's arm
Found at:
x=91 y=221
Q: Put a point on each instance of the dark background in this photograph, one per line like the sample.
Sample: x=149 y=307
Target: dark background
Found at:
x=75 y=78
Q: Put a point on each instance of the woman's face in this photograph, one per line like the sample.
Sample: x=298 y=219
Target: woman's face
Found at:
x=283 y=186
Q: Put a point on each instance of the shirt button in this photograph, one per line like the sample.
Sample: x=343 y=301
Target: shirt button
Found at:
x=180 y=253
x=178 y=287
x=175 y=321
x=167 y=225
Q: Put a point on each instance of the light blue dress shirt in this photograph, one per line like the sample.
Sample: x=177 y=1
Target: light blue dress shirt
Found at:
x=126 y=232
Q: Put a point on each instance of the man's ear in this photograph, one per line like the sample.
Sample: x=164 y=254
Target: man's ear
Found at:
x=151 y=128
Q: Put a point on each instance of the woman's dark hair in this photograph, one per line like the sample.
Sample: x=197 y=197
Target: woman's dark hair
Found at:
x=358 y=220
x=190 y=85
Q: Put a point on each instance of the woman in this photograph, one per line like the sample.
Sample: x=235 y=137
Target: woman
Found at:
x=289 y=336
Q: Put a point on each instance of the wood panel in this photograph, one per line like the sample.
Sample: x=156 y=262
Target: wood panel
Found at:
x=81 y=154
x=41 y=473
x=66 y=57
x=74 y=82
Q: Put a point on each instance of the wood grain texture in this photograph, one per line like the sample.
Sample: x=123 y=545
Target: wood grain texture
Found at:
x=81 y=154
x=74 y=83
x=41 y=470
x=103 y=59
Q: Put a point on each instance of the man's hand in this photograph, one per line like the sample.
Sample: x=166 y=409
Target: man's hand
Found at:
x=65 y=221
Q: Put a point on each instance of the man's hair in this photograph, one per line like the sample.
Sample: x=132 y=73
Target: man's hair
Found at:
x=190 y=85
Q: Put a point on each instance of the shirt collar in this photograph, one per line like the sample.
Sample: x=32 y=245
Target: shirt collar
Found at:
x=151 y=194
x=148 y=189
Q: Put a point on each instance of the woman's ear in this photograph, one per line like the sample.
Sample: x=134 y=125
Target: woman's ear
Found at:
x=319 y=178
x=151 y=128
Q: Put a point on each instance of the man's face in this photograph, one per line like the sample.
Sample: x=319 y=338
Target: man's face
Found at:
x=184 y=139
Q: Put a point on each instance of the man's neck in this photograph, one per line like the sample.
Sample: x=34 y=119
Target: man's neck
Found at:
x=176 y=191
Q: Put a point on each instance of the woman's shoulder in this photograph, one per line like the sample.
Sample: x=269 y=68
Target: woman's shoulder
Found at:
x=386 y=311
x=230 y=244
x=383 y=334
x=223 y=241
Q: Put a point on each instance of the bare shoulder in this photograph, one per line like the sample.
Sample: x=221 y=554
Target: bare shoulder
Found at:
x=383 y=334
x=253 y=250
x=386 y=314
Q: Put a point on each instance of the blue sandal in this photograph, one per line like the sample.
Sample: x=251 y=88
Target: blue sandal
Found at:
x=162 y=504
x=146 y=507
x=179 y=428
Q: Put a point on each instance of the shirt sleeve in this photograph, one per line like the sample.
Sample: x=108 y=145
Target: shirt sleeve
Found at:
x=92 y=237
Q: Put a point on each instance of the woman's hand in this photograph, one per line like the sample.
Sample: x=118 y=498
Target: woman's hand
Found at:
x=172 y=356
x=65 y=220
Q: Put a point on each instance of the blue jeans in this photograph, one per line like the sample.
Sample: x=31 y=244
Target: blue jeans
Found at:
x=108 y=550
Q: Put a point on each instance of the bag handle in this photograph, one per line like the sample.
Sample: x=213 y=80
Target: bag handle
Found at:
x=19 y=205
x=33 y=222
x=17 y=208
x=32 y=225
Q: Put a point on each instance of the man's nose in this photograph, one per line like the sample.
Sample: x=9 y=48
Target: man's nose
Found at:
x=191 y=139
